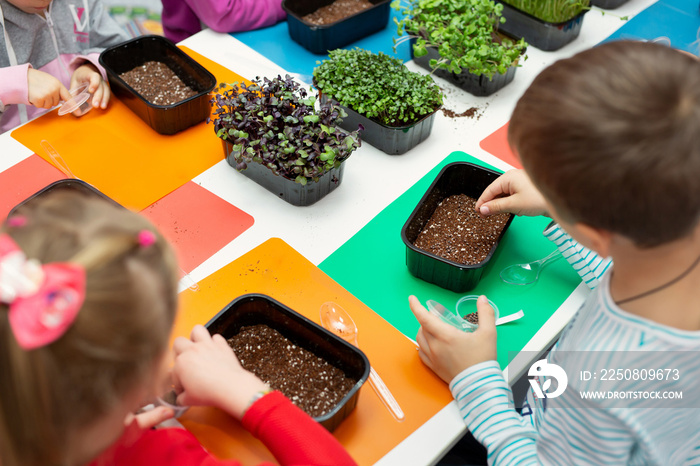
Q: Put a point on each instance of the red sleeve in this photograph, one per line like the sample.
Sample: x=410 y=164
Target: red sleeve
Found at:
x=292 y=435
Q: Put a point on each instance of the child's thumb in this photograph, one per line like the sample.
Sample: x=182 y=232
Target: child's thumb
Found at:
x=487 y=317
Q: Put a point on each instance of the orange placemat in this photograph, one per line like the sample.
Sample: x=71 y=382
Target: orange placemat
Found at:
x=277 y=270
x=497 y=144
x=119 y=154
x=197 y=222
x=23 y=180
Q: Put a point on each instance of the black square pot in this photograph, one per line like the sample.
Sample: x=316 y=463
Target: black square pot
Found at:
x=164 y=119
x=480 y=86
x=608 y=4
x=394 y=140
x=70 y=184
x=455 y=178
x=538 y=33
x=289 y=190
x=254 y=309
x=321 y=39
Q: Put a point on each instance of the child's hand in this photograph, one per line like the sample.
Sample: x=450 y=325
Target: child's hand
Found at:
x=45 y=91
x=447 y=350
x=512 y=192
x=98 y=87
x=208 y=372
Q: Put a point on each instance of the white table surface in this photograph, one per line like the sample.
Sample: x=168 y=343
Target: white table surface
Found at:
x=317 y=231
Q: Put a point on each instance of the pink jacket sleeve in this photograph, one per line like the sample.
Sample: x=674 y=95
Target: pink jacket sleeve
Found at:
x=13 y=85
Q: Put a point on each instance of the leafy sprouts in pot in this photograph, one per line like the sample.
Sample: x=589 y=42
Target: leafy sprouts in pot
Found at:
x=275 y=123
x=464 y=32
x=377 y=86
x=551 y=11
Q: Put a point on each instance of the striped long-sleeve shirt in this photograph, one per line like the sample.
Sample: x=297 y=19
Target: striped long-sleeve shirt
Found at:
x=574 y=429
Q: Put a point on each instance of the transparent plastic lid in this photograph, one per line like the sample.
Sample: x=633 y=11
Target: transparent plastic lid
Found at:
x=80 y=96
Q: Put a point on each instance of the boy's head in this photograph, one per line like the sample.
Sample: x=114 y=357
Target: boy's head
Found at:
x=611 y=137
x=57 y=395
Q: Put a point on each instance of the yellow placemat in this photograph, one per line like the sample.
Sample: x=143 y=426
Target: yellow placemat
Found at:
x=119 y=154
x=277 y=270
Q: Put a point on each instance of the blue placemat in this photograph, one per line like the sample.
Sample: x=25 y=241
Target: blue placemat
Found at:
x=275 y=43
x=677 y=20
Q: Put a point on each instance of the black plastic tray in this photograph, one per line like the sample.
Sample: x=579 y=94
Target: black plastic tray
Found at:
x=164 y=119
x=608 y=4
x=289 y=190
x=454 y=178
x=253 y=309
x=321 y=39
x=394 y=140
x=541 y=34
x=480 y=86
x=70 y=184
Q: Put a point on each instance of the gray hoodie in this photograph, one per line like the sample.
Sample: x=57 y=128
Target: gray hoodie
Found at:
x=71 y=33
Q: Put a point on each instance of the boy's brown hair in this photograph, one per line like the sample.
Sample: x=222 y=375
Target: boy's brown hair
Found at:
x=611 y=137
x=49 y=393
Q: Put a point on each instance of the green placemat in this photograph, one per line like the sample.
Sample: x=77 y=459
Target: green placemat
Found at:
x=372 y=266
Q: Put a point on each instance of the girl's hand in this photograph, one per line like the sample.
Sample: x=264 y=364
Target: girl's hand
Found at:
x=207 y=372
x=45 y=91
x=447 y=350
x=98 y=87
x=512 y=192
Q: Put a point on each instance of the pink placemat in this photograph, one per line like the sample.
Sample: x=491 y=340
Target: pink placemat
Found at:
x=23 y=180
x=197 y=222
x=497 y=144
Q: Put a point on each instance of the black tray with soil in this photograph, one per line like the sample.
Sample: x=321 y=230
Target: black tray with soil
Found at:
x=393 y=140
x=303 y=334
x=538 y=33
x=457 y=178
x=320 y=38
x=166 y=117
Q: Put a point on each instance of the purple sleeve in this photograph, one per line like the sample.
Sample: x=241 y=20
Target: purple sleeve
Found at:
x=182 y=18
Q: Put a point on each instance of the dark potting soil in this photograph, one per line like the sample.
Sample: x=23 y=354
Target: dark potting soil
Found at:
x=307 y=380
x=157 y=83
x=340 y=9
x=456 y=232
x=470 y=112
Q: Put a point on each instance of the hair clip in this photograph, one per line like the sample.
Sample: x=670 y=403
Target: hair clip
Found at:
x=146 y=238
x=17 y=221
x=43 y=300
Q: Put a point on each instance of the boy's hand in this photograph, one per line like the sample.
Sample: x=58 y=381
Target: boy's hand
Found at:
x=512 y=192
x=207 y=372
x=447 y=350
x=45 y=91
x=98 y=87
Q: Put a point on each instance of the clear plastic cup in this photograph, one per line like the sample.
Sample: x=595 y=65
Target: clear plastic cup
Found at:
x=169 y=400
x=79 y=104
x=467 y=305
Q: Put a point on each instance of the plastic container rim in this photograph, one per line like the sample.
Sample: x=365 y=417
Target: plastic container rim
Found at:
x=172 y=47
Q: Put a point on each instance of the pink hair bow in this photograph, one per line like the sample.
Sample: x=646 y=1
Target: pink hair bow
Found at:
x=43 y=300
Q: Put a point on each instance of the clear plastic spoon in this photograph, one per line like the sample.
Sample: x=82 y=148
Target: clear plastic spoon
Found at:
x=525 y=274
x=338 y=321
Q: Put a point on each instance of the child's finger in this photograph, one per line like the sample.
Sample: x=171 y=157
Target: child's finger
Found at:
x=63 y=93
x=106 y=95
x=431 y=324
x=180 y=345
x=487 y=318
x=199 y=333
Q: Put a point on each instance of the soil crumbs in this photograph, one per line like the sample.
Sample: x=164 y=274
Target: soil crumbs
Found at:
x=456 y=232
x=157 y=83
x=307 y=380
x=340 y=9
